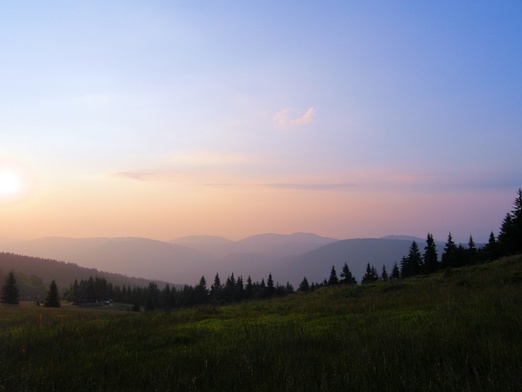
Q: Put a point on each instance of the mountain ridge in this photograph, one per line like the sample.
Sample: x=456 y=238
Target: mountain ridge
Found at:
x=289 y=257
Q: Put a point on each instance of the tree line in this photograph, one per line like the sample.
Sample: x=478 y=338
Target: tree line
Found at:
x=172 y=297
x=508 y=242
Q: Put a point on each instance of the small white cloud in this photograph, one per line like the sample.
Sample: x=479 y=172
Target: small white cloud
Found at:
x=283 y=120
x=306 y=118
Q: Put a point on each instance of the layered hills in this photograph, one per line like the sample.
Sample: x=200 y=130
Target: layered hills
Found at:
x=184 y=260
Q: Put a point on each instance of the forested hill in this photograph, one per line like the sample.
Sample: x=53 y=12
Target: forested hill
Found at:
x=34 y=274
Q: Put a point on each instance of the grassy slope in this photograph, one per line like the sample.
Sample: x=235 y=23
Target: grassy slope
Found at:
x=457 y=331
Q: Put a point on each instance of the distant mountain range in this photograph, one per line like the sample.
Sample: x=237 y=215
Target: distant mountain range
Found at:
x=185 y=260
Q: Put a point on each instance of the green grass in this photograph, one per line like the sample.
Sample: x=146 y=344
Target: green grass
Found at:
x=453 y=331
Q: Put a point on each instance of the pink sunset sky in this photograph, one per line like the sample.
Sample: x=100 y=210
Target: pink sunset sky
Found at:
x=346 y=119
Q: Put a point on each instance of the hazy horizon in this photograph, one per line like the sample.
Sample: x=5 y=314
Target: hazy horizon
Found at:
x=347 y=120
x=405 y=236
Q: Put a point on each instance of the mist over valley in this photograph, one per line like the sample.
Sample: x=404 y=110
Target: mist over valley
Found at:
x=185 y=260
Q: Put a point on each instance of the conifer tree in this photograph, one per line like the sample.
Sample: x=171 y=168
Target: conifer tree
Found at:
x=229 y=288
x=449 y=255
x=395 y=274
x=510 y=236
x=249 y=288
x=149 y=305
x=174 y=297
x=347 y=276
x=411 y=265
x=239 y=290
x=431 y=259
x=333 y=280
x=153 y=296
x=404 y=267
x=270 y=286
x=490 y=251
x=201 y=292
x=74 y=293
x=471 y=252
x=384 y=274
x=371 y=274
x=304 y=286
x=10 y=291
x=165 y=297
x=460 y=256
x=53 y=298
x=216 y=289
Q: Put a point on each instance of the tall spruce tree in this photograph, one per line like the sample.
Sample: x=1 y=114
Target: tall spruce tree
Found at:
x=431 y=259
x=153 y=296
x=510 y=236
x=396 y=273
x=450 y=254
x=249 y=288
x=216 y=289
x=239 y=289
x=411 y=265
x=270 y=287
x=304 y=286
x=371 y=274
x=165 y=298
x=384 y=274
x=471 y=252
x=201 y=292
x=10 y=291
x=333 y=280
x=461 y=256
x=229 y=288
x=490 y=251
x=347 y=276
x=53 y=298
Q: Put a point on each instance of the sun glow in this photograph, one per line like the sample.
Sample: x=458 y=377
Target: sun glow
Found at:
x=11 y=183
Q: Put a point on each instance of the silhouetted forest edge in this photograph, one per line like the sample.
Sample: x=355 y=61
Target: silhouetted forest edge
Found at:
x=105 y=287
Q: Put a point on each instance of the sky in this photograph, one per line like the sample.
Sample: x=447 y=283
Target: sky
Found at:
x=348 y=119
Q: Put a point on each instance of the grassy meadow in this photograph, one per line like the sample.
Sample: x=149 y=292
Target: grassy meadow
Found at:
x=458 y=330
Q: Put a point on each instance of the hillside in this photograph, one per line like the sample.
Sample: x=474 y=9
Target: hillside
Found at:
x=450 y=331
x=141 y=257
x=34 y=274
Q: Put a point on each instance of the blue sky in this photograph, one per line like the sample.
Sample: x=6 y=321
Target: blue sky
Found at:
x=121 y=111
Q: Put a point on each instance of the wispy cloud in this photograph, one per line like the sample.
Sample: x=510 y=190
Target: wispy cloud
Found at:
x=189 y=166
x=146 y=175
x=311 y=186
x=208 y=158
x=227 y=185
x=284 y=121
